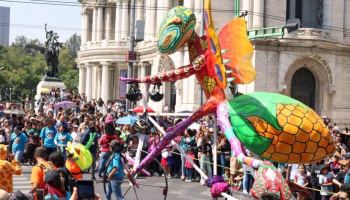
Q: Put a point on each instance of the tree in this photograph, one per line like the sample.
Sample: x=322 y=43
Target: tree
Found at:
x=73 y=44
x=21 y=70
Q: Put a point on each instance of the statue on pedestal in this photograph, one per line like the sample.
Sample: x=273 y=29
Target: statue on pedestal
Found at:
x=51 y=52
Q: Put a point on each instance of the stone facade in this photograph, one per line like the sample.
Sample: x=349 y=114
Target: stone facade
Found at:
x=320 y=46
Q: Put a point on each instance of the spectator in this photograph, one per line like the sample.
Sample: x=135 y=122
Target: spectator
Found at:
x=76 y=136
x=33 y=143
x=58 y=162
x=47 y=135
x=186 y=142
x=2 y=136
x=344 y=170
x=325 y=181
x=62 y=137
x=115 y=171
x=205 y=157
x=37 y=176
x=73 y=168
x=18 y=140
x=301 y=179
x=104 y=142
x=165 y=162
x=189 y=166
x=90 y=140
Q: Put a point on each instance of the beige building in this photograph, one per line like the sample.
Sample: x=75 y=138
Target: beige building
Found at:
x=309 y=60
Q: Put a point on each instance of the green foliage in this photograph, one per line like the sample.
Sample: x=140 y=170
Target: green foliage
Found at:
x=21 y=69
x=73 y=44
x=67 y=67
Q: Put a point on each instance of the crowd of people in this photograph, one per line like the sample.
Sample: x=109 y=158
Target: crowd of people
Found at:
x=40 y=139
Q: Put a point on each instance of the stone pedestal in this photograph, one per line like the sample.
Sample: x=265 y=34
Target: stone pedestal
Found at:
x=47 y=83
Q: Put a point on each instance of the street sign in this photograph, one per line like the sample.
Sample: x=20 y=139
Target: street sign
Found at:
x=131 y=56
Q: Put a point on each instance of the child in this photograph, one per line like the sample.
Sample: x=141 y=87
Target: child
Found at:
x=73 y=168
x=301 y=179
x=62 y=137
x=115 y=171
x=226 y=175
x=325 y=181
x=33 y=143
x=164 y=162
x=237 y=180
x=188 y=166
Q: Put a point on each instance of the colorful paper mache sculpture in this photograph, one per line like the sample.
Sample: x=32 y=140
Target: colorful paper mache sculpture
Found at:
x=272 y=126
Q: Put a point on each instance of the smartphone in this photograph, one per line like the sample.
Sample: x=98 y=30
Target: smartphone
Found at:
x=39 y=194
x=85 y=189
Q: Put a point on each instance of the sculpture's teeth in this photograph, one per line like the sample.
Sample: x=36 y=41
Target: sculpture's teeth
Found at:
x=228 y=71
x=226 y=61
x=224 y=51
x=230 y=79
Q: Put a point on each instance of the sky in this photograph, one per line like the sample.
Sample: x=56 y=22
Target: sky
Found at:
x=29 y=19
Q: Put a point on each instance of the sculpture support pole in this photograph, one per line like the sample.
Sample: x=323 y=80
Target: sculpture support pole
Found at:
x=186 y=157
x=215 y=148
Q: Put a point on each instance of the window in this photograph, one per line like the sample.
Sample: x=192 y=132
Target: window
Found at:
x=180 y=2
x=308 y=12
x=122 y=84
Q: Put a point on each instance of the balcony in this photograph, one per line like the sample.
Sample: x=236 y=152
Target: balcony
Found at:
x=103 y=44
x=265 y=33
x=281 y=32
x=309 y=33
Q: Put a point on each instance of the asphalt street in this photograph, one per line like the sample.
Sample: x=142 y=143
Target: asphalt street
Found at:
x=151 y=188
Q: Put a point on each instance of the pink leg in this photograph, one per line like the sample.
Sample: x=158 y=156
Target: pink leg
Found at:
x=236 y=146
x=175 y=131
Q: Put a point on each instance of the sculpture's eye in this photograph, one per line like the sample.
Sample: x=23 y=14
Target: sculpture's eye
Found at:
x=177 y=20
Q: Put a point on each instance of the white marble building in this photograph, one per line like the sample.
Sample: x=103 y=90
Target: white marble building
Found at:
x=310 y=63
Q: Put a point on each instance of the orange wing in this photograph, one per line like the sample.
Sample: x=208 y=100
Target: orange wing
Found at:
x=238 y=50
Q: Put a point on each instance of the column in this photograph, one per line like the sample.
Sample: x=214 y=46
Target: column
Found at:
x=108 y=22
x=162 y=8
x=88 y=31
x=84 y=27
x=105 y=82
x=82 y=79
x=93 y=80
x=98 y=82
x=147 y=19
x=140 y=9
x=198 y=11
x=118 y=15
x=99 y=25
x=258 y=18
x=150 y=19
x=88 y=82
x=189 y=4
x=125 y=20
x=94 y=24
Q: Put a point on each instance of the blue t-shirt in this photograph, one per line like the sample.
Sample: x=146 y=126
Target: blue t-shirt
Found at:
x=116 y=162
x=18 y=142
x=48 y=134
x=63 y=138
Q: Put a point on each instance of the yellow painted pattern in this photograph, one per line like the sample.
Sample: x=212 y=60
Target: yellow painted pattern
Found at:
x=304 y=137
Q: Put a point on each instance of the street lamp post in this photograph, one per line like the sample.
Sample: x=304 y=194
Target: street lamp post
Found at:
x=131 y=47
x=10 y=94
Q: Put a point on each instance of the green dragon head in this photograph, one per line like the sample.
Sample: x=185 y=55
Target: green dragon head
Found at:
x=176 y=29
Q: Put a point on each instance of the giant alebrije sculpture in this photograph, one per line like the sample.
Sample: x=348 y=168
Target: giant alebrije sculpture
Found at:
x=273 y=126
